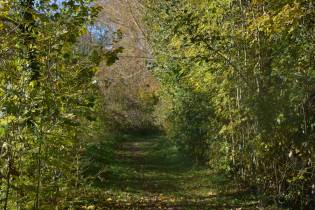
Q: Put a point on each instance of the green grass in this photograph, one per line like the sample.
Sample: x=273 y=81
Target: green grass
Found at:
x=149 y=173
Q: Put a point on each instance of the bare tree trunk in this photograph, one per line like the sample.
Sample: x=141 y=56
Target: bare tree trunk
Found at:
x=6 y=199
x=36 y=204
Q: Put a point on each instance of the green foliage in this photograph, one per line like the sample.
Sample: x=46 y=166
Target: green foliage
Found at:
x=98 y=155
x=128 y=111
x=48 y=101
x=237 y=86
x=112 y=56
x=237 y=94
x=189 y=116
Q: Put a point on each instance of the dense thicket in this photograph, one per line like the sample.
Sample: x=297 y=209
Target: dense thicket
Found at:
x=47 y=101
x=237 y=82
x=236 y=93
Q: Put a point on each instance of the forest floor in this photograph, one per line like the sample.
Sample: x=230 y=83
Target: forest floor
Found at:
x=149 y=174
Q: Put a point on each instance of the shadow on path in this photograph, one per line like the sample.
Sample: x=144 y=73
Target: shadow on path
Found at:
x=149 y=174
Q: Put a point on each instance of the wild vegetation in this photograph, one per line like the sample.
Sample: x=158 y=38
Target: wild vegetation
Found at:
x=129 y=88
x=238 y=78
x=157 y=104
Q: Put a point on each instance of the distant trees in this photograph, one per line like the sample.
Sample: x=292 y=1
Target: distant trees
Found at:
x=238 y=88
x=129 y=87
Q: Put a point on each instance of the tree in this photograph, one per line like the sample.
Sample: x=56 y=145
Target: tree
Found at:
x=130 y=89
x=46 y=88
x=253 y=66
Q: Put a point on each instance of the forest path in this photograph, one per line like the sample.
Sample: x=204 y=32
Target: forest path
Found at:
x=149 y=174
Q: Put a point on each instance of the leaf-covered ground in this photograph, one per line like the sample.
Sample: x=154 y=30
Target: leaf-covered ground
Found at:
x=149 y=174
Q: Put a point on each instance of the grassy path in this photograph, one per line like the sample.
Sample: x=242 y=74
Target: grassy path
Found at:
x=149 y=174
